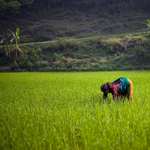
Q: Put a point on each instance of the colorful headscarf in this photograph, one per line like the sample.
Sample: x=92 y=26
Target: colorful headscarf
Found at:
x=106 y=86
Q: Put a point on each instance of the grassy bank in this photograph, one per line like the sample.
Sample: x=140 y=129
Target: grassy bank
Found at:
x=66 y=111
x=101 y=53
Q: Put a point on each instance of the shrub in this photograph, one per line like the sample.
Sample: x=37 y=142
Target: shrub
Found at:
x=61 y=44
x=100 y=61
x=29 y=65
x=22 y=64
x=86 y=56
x=118 y=53
x=140 y=51
x=108 y=57
x=103 y=68
x=37 y=65
x=39 y=50
x=63 y=58
x=55 y=56
x=93 y=59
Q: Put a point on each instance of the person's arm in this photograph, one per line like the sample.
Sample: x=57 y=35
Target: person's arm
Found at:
x=105 y=96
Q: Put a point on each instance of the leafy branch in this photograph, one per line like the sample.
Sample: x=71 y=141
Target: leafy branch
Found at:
x=6 y=40
x=148 y=25
x=16 y=38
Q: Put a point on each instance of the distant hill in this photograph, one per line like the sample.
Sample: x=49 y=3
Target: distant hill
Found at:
x=76 y=35
x=51 y=19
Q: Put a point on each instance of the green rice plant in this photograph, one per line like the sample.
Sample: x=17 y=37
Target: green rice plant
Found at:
x=66 y=111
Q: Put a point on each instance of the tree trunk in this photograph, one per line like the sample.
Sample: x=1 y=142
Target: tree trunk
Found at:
x=16 y=50
x=16 y=64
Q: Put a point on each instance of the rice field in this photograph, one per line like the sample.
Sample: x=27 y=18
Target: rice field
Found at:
x=65 y=111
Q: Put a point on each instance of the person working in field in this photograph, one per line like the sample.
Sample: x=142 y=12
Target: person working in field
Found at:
x=121 y=87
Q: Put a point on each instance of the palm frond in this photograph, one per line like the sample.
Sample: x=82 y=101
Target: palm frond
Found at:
x=2 y=40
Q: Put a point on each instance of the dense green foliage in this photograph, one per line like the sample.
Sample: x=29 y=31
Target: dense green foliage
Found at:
x=48 y=19
x=60 y=21
x=13 y=6
x=112 y=6
x=66 y=111
x=89 y=54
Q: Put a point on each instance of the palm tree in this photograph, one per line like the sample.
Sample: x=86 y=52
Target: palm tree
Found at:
x=16 y=38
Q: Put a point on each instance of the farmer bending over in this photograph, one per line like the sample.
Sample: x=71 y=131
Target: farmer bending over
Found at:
x=121 y=87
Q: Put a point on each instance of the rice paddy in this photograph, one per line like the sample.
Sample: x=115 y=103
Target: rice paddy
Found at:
x=65 y=111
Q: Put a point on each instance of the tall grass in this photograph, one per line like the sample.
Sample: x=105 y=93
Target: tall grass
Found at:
x=66 y=111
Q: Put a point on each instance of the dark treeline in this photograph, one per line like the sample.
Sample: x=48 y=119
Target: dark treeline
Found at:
x=20 y=13
x=11 y=7
x=108 y=6
x=8 y=7
x=47 y=20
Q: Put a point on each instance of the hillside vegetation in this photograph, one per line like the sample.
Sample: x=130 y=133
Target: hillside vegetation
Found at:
x=50 y=19
x=89 y=35
x=88 y=54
